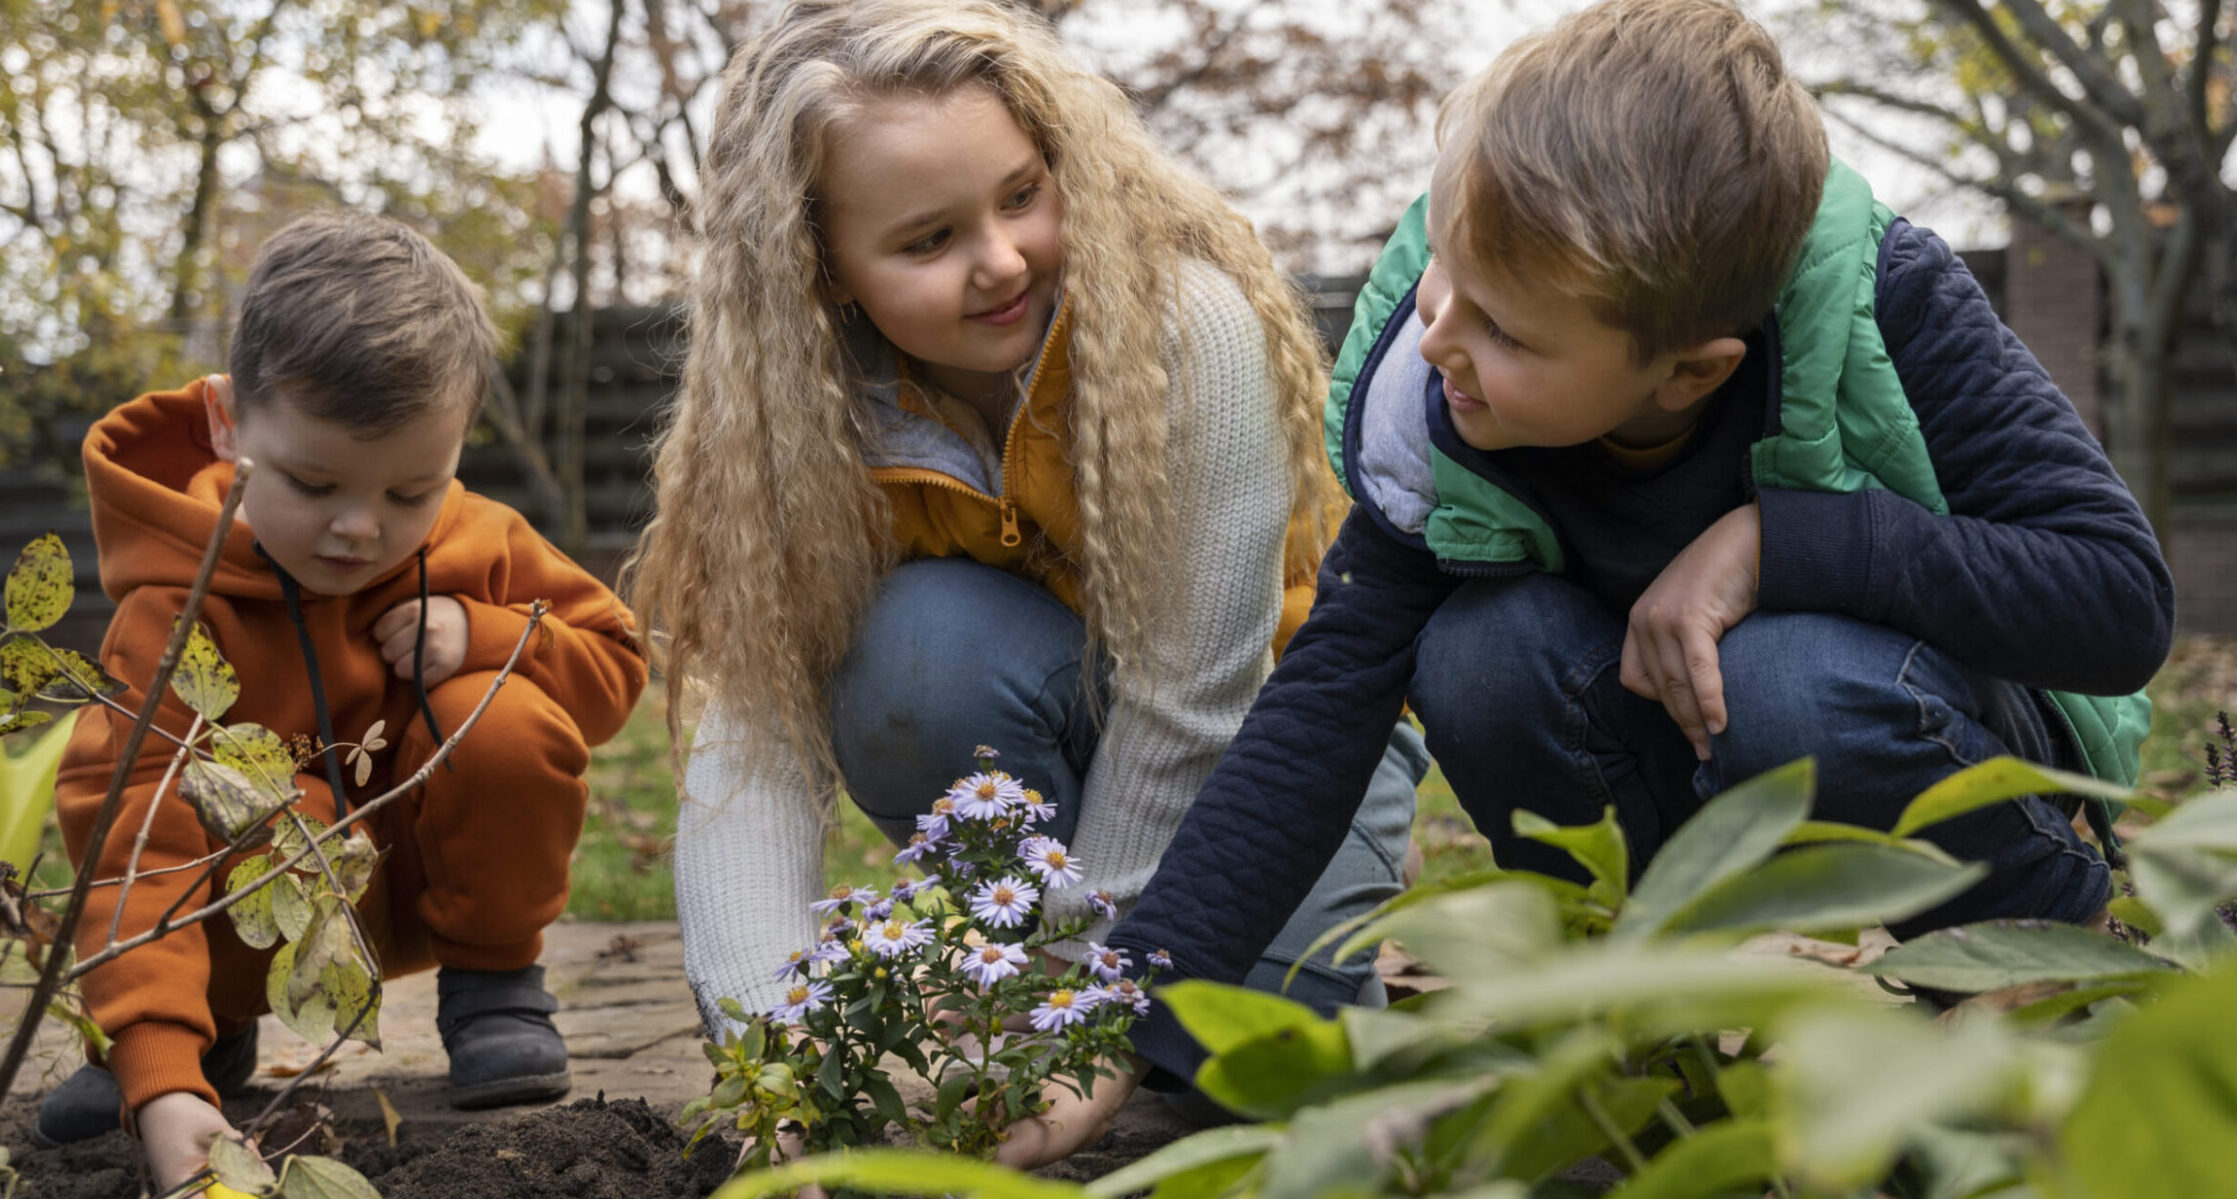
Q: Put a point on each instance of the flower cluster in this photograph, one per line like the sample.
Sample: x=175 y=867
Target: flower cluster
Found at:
x=951 y=973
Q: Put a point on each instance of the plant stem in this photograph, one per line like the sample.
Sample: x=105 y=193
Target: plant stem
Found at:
x=97 y=837
x=272 y=1109
x=1608 y=1129
x=147 y=823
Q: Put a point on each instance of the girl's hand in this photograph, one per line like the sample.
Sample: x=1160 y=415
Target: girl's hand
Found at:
x=175 y=1132
x=1071 y=1124
x=445 y=652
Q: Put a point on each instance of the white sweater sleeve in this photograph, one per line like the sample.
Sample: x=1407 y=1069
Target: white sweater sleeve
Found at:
x=749 y=861
x=1227 y=460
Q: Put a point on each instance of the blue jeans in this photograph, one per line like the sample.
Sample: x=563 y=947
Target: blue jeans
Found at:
x=1517 y=685
x=953 y=654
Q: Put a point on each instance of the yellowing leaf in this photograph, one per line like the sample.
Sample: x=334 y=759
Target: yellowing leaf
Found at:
x=25 y=665
x=21 y=721
x=354 y=861
x=291 y=908
x=261 y=757
x=288 y=842
x=389 y=1117
x=324 y=943
x=323 y=1178
x=227 y=804
x=349 y=986
x=237 y=1166
x=77 y=677
x=204 y=680
x=252 y=917
x=314 y=1020
x=39 y=588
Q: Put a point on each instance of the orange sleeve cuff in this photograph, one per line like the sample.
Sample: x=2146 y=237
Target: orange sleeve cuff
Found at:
x=491 y=633
x=156 y=1057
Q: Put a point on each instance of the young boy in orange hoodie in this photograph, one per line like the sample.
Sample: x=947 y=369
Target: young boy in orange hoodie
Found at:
x=360 y=583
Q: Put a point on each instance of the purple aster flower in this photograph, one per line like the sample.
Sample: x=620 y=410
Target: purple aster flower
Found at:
x=840 y=926
x=919 y=845
x=801 y=999
x=990 y=964
x=1107 y=963
x=934 y=824
x=1062 y=1007
x=893 y=938
x=830 y=949
x=881 y=910
x=1005 y=902
x=1047 y=857
x=1104 y=905
x=1161 y=959
x=988 y=795
x=907 y=890
x=796 y=964
x=986 y=753
x=1035 y=807
x=841 y=896
x=1125 y=992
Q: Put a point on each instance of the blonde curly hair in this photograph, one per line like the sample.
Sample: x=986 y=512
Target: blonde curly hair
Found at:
x=770 y=535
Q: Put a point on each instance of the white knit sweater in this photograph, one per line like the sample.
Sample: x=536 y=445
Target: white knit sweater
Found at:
x=749 y=846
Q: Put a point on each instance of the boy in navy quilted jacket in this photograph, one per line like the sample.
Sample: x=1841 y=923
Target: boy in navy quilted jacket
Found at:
x=1675 y=457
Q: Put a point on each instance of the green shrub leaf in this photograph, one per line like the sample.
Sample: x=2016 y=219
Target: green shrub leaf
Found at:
x=259 y=754
x=323 y=1178
x=1222 y=1017
x=1189 y=1153
x=2012 y=953
x=1857 y=1086
x=237 y=1166
x=1270 y=1077
x=1826 y=886
x=898 y=1172
x=1730 y=834
x=1738 y=1155
x=1598 y=847
x=1993 y=782
x=2155 y=1119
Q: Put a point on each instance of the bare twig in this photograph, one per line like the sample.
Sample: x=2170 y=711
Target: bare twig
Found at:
x=147 y=824
x=363 y=810
x=272 y=1109
x=51 y=977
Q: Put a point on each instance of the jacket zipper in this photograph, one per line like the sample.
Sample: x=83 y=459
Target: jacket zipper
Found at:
x=1005 y=504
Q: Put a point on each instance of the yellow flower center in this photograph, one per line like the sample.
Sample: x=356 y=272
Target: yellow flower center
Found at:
x=943 y=806
x=893 y=930
x=797 y=994
x=1056 y=859
x=1060 y=999
x=987 y=791
x=1003 y=897
x=841 y=891
x=990 y=955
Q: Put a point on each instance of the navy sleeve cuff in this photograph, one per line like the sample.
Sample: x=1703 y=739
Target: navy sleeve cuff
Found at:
x=1817 y=552
x=1173 y=1055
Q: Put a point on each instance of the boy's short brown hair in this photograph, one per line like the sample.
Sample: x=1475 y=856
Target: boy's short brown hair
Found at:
x=360 y=320
x=1652 y=157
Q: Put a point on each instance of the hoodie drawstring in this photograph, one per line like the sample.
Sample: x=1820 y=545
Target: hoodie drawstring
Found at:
x=294 y=593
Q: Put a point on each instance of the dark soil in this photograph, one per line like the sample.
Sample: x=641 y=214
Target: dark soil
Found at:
x=589 y=1149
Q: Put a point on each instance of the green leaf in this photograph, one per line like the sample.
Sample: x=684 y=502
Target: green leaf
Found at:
x=203 y=679
x=323 y=1178
x=898 y=1172
x=1993 y=782
x=2011 y=953
x=39 y=589
x=1673 y=989
x=353 y=858
x=81 y=1024
x=349 y=987
x=1735 y=1155
x=288 y=842
x=27 y=779
x=1599 y=847
x=1483 y=932
x=1818 y=832
x=2065 y=1003
x=1187 y=1154
x=1271 y=1076
x=1222 y=1017
x=252 y=917
x=1731 y=833
x=2156 y=1116
x=237 y=1166
x=1418 y=893
x=226 y=803
x=1350 y=1145
x=1826 y=886
x=261 y=757
x=1858 y=1085
x=2183 y=883
x=1538 y=1125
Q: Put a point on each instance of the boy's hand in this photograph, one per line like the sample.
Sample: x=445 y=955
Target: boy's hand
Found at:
x=1670 y=648
x=446 y=637
x=175 y=1132
x=1071 y=1124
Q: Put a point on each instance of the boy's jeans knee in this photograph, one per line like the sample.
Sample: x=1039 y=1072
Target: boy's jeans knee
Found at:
x=954 y=654
x=1519 y=689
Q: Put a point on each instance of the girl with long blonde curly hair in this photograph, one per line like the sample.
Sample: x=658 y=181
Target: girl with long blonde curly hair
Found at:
x=997 y=427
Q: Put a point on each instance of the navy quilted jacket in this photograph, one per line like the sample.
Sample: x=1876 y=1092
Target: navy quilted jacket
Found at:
x=2045 y=573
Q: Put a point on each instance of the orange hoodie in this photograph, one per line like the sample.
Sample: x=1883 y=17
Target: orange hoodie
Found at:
x=156 y=487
